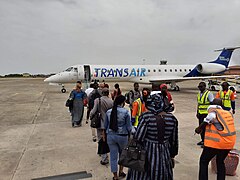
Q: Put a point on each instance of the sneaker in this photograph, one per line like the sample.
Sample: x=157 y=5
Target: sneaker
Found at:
x=103 y=163
x=200 y=143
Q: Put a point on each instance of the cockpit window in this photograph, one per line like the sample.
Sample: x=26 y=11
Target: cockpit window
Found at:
x=69 y=69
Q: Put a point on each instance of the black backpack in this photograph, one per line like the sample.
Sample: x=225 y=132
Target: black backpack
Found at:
x=94 y=96
x=127 y=96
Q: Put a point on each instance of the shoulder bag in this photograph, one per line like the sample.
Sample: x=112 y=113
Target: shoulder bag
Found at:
x=96 y=119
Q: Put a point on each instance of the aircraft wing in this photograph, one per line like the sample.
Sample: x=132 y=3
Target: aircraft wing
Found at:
x=158 y=79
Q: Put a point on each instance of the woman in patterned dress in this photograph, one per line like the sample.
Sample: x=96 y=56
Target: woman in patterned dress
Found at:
x=158 y=132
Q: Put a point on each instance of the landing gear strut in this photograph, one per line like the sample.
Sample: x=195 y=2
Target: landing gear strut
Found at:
x=174 y=87
x=63 y=90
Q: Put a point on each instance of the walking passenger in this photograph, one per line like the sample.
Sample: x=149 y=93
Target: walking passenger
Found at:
x=88 y=92
x=138 y=106
x=78 y=96
x=118 y=127
x=204 y=99
x=93 y=95
x=220 y=137
x=167 y=98
x=116 y=92
x=227 y=97
x=102 y=105
x=158 y=133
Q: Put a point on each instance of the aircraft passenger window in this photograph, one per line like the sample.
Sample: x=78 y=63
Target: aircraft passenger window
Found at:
x=189 y=69
x=149 y=70
x=175 y=70
x=165 y=70
x=180 y=70
x=170 y=70
x=185 y=70
x=154 y=70
x=69 y=69
x=159 y=70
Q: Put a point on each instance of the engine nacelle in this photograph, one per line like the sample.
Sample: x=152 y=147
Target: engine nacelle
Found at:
x=210 y=68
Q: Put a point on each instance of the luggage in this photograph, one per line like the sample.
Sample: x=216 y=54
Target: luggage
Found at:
x=231 y=163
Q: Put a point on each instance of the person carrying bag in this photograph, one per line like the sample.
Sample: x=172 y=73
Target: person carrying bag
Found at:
x=96 y=118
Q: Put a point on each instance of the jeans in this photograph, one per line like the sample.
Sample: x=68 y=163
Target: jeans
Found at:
x=207 y=154
x=116 y=143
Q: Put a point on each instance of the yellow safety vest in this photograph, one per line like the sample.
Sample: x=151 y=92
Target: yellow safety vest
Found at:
x=226 y=98
x=139 y=111
x=203 y=102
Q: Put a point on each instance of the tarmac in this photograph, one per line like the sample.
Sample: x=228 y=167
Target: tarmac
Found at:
x=37 y=140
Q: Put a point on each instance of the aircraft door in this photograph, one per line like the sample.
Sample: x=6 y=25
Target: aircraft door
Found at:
x=87 y=73
x=80 y=73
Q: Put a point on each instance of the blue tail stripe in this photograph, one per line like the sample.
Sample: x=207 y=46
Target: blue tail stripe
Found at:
x=224 y=57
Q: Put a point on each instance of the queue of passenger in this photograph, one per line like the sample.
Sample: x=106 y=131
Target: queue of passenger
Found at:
x=151 y=123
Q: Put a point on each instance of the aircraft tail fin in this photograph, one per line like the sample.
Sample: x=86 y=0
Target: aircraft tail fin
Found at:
x=225 y=56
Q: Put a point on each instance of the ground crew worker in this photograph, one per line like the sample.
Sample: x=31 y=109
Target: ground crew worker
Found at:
x=139 y=106
x=204 y=99
x=227 y=97
x=134 y=94
x=220 y=137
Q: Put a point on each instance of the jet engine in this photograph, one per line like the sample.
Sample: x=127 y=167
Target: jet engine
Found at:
x=210 y=68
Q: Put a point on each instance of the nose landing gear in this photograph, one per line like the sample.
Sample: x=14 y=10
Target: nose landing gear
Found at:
x=63 y=90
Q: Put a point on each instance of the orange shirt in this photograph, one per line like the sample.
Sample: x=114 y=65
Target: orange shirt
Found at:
x=135 y=108
x=232 y=97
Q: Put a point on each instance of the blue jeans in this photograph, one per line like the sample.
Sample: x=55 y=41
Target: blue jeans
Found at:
x=116 y=143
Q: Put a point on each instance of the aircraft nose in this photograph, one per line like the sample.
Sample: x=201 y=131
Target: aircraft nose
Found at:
x=52 y=79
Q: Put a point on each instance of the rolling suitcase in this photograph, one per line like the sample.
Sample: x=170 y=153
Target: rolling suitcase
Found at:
x=231 y=163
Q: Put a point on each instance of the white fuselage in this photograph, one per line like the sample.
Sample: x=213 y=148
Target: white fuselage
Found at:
x=118 y=73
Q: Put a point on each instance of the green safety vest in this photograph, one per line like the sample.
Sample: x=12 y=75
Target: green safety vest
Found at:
x=139 y=111
x=226 y=98
x=203 y=102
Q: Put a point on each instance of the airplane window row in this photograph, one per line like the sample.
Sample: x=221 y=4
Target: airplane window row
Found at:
x=171 y=70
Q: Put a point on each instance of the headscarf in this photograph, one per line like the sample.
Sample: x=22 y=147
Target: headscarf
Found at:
x=113 y=117
x=163 y=85
x=155 y=103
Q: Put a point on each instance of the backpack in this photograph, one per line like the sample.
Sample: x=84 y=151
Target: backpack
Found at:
x=127 y=96
x=94 y=96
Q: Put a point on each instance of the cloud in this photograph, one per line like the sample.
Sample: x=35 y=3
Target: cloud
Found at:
x=50 y=35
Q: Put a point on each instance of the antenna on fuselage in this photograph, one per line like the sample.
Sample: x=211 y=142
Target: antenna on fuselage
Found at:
x=143 y=61
x=163 y=62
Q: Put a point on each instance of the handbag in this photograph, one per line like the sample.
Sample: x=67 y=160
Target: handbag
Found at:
x=133 y=156
x=103 y=147
x=96 y=119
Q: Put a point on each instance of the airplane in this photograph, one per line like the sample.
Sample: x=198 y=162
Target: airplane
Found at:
x=144 y=74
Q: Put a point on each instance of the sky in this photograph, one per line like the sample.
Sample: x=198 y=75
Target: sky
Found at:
x=48 y=36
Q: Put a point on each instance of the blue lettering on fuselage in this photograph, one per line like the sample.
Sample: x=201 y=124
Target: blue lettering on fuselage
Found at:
x=120 y=72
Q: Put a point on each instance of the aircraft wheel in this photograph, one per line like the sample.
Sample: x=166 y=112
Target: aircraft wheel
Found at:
x=177 y=88
x=213 y=88
x=63 y=90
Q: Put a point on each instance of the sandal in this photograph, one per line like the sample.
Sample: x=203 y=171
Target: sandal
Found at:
x=122 y=174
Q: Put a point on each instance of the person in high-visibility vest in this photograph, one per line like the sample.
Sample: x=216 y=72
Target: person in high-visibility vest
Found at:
x=227 y=97
x=204 y=98
x=220 y=138
x=138 y=106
